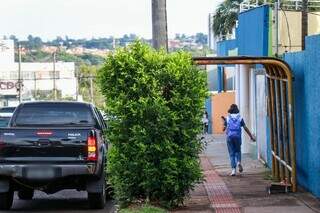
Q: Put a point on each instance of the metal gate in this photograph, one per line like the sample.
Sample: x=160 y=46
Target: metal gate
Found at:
x=280 y=112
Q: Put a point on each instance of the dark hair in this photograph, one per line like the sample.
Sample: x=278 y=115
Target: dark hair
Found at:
x=233 y=109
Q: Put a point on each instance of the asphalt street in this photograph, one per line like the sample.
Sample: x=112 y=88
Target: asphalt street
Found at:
x=67 y=201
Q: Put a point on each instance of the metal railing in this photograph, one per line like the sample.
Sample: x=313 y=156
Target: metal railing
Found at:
x=294 y=5
x=249 y=4
x=280 y=112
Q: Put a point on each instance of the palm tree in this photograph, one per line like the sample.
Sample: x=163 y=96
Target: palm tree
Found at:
x=304 y=22
x=225 y=17
x=159 y=24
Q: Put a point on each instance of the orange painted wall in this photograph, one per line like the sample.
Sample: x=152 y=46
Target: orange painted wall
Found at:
x=220 y=105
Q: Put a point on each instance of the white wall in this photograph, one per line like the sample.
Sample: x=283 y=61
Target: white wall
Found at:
x=244 y=101
x=36 y=76
x=261 y=124
x=6 y=54
x=39 y=76
x=251 y=99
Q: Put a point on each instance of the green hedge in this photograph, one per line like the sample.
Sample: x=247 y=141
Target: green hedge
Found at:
x=156 y=101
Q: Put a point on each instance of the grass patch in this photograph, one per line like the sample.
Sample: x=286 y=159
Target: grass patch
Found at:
x=142 y=209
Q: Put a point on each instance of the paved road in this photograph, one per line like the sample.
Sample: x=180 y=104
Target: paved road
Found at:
x=67 y=201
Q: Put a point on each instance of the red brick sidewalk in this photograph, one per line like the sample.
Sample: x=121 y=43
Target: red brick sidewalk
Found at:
x=220 y=197
x=210 y=196
x=246 y=193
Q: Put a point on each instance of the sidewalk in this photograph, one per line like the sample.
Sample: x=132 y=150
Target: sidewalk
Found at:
x=246 y=193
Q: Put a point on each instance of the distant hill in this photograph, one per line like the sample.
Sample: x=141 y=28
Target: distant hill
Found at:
x=92 y=51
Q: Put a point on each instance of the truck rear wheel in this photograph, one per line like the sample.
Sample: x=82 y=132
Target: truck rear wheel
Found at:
x=6 y=200
x=25 y=194
x=98 y=200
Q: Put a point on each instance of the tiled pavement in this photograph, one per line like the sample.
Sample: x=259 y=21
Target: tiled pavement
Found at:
x=247 y=193
x=218 y=193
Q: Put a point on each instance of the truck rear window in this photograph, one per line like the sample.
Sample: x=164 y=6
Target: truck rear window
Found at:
x=53 y=114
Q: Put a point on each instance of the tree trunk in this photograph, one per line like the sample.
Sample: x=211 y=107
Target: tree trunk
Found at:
x=159 y=24
x=304 y=23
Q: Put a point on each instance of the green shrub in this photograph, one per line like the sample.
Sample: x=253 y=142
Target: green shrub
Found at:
x=157 y=101
x=142 y=209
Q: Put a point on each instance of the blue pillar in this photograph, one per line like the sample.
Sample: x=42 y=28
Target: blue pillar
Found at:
x=220 y=79
x=209 y=111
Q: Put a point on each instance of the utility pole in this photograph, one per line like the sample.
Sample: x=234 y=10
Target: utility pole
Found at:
x=77 y=84
x=210 y=32
x=35 y=85
x=276 y=12
x=91 y=88
x=54 y=76
x=19 y=74
x=304 y=23
x=159 y=24
x=114 y=43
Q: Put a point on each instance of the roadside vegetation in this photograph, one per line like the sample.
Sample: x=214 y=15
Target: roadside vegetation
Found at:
x=143 y=209
x=157 y=98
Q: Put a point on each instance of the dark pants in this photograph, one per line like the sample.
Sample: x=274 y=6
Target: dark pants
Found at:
x=234 y=148
x=206 y=128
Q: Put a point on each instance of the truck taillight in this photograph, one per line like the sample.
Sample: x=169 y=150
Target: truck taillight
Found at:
x=92 y=148
x=44 y=133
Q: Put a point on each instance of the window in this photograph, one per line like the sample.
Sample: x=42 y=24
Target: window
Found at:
x=28 y=75
x=56 y=74
x=51 y=114
x=14 y=75
x=100 y=118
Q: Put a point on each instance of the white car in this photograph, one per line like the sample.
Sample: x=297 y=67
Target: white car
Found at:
x=5 y=115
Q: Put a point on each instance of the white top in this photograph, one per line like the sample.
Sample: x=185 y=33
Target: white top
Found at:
x=205 y=119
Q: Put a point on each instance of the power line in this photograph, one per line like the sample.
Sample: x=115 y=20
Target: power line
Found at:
x=288 y=27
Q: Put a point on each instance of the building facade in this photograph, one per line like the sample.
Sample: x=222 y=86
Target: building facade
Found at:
x=255 y=36
x=38 y=80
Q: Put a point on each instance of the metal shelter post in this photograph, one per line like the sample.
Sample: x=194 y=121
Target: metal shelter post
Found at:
x=280 y=110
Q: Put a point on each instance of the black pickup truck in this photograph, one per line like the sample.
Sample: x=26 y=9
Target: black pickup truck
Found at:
x=51 y=146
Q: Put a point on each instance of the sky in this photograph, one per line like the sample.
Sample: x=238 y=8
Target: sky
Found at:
x=99 y=18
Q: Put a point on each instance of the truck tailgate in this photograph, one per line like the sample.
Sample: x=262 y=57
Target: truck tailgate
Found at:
x=43 y=144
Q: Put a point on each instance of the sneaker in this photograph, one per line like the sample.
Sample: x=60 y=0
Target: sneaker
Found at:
x=233 y=172
x=240 y=167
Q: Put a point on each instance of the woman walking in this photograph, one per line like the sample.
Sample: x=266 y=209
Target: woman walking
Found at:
x=205 y=122
x=233 y=126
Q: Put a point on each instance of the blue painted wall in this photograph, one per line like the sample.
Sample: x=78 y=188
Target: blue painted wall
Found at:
x=252 y=39
x=306 y=67
x=209 y=110
x=213 y=79
x=223 y=47
x=253 y=32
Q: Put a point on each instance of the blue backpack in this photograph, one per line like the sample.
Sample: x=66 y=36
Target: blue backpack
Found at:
x=234 y=126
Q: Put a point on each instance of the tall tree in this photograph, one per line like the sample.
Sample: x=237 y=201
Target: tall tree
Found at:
x=304 y=23
x=201 y=38
x=225 y=17
x=159 y=24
